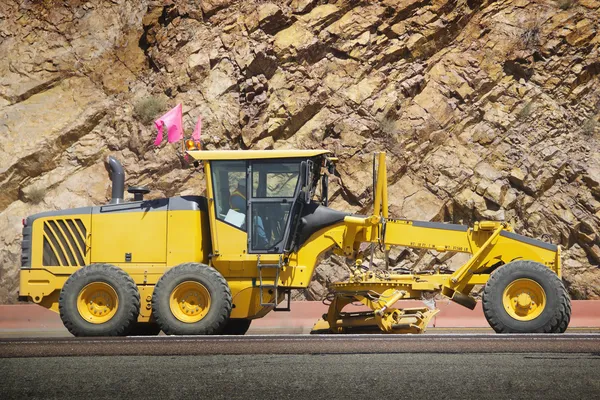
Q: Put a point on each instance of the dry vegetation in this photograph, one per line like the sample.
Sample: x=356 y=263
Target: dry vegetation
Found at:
x=37 y=194
x=148 y=108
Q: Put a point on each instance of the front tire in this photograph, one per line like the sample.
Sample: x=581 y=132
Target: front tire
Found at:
x=99 y=300
x=526 y=297
x=191 y=299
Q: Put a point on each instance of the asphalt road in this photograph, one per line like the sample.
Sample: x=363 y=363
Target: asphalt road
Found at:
x=300 y=344
x=304 y=367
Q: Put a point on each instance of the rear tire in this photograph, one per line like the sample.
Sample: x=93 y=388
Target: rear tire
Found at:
x=191 y=299
x=236 y=326
x=99 y=300
x=526 y=297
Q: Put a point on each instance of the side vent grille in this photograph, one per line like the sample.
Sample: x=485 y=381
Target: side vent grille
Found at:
x=64 y=243
x=26 y=247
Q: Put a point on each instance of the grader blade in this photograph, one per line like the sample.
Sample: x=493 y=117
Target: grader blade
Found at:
x=321 y=327
x=407 y=320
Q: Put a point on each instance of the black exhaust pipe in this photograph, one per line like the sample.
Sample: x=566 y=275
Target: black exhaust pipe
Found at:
x=118 y=181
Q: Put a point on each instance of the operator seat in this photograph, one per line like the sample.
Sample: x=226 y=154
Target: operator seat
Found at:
x=237 y=199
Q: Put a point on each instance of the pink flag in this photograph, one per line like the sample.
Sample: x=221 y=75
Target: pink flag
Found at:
x=172 y=121
x=197 y=130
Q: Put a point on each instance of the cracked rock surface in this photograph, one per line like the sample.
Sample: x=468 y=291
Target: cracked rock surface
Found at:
x=487 y=109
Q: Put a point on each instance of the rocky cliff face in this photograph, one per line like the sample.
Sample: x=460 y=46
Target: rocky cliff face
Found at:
x=487 y=109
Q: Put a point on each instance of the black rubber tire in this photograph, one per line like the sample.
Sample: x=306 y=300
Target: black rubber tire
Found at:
x=556 y=314
x=236 y=326
x=127 y=311
x=145 y=329
x=220 y=307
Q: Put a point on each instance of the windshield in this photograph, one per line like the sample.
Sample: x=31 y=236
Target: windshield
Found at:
x=274 y=180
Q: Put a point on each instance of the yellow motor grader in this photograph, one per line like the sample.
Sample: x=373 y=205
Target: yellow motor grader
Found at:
x=193 y=265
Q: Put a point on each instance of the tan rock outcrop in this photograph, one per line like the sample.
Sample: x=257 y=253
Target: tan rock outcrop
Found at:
x=487 y=109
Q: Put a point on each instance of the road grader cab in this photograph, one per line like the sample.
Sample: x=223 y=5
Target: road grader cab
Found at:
x=192 y=265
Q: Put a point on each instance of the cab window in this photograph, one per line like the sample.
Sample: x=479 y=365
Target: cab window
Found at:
x=229 y=188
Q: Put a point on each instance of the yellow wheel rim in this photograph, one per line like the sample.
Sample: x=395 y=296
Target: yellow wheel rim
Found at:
x=190 y=302
x=97 y=302
x=524 y=299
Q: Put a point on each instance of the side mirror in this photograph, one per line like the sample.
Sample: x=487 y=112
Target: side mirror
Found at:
x=331 y=168
x=303 y=173
x=306 y=172
x=325 y=190
x=305 y=180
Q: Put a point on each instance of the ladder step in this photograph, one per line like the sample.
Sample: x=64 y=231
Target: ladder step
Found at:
x=274 y=286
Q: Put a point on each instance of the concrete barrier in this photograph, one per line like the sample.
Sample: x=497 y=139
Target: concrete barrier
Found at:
x=302 y=317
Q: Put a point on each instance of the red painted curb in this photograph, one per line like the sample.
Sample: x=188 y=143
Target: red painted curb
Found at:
x=28 y=316
x=454 y=315
x=585 y=313
x=304 y=314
